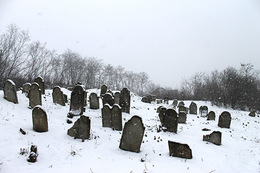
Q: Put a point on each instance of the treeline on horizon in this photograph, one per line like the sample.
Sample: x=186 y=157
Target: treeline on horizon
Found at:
x=22 y=60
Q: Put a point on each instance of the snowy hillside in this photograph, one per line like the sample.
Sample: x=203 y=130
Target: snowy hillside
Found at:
x=58 y=152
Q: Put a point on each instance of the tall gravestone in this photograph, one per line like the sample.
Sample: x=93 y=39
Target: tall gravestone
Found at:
x=108 y=99
x=35 y=97
x=162 y=114
x=77 y=100
x=93 y=101
x=224 y=120
x=182 y=117
x=170 y=120
x=58 y=96
x=26 y=88
x=116 y=117
x=106 y=116
x=132 y=136
x=211 y=115
x=179 y=150
x=103 y=90
x=125 y=100
x=10 y=91
x=40 y=121
x=193 y=108
x=40 y=82
x=117 y=98
x=80 y=129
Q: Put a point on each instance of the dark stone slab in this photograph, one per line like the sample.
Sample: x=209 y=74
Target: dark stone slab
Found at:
x=224 y=120
x=214 y=137
x=182 y=117
x=179 y=150
x=125 y=100
x=40 y=121
x=57 y=96
x=40 y=82
x=77 y=100
x=170 y=121
x=106 y=116
x=108 y=99
x=10 y=91
x=35 y=97
x=93 y=101
x=193 y=108
x=211 y=115
x=116 y=117
x=80 y=129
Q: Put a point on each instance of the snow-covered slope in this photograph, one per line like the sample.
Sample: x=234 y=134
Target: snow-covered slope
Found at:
x=58 y=152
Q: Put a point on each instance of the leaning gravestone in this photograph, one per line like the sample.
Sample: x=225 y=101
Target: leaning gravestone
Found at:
x=40 y=82
x=103 y=90
x=170 y=120
x=35 y=97
x=106 y=116
x=93 y=101
x=116 y=118
x=80 y=129
x=57 y=96
x=77 y=100
x=125 y=100
x=117 y=98
x=211 y=115
x=214 y=137
x=179 y=150
x=182 y=117
x=10 y=91
x=132 y=135
x=193 y=108
x=39 y=118
x=108 y=99
x=224 y=120
x=26 y=89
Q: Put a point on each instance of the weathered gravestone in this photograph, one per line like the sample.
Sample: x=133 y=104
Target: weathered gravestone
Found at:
x=10 y=91
x=162 y=114
x=116 y=117
x=132 y=136
x=170 y=120
x=85 y=98
x=224 y=120
x=108 y=99
x=214 y=137
x=175 y=102
x=211 y=115
x=252 y=114
x=181 y=103
x=125 y=100
x=158 y=109
x=57 y=96
x=182 y=117
x=193 y=108
x=183 y=109
x=35 y=97
x=145 y=99
x=117 y=98
x=158 y=101
x=80 y=129
x=26 y=89
x=179 y=150
x=203 y=111
x=106 y=116
x=65 y=97
x=93 y=101
x=103 y=90
x=40 y=82
x=39 y=118
x=77 y=100
x=166 y=100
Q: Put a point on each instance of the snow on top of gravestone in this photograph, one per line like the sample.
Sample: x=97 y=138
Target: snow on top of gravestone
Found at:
x=9 y=80
x=117 y=106
x=39 y=106
x=110 y=107
x=36 y=84
x=27 y=83
x=40 y=78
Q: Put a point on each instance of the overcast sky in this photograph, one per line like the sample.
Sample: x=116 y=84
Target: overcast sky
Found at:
x=170 y=40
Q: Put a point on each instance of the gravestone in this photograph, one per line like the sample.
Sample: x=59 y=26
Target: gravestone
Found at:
x=26 y=89
x=214 y=137
x=252 y=114
x=80 y=129
x=145 y=99
x=103 y=90
x=108 y=99
x=40 y=82
x=224 y=120
x=125 y=100
x=158 y=109
x=193 y=108
x=158 y=101
x=175 y=102
x=35 y=97
x=93 y=101
x=39 y=118
x=182 y=109
x=181 y=103
x=132 y=136
x=211 y=115
x=162 y=114
x=182 y=117
x=166 y=100
x=116 y=118
x=203 y=111
x=117 y=98
x=170 y=120
x=85 y=98
x=179 y=150
x=65 y=97
x=10 y=91
x=57 y=96
x=106 y=116
x=77 y=100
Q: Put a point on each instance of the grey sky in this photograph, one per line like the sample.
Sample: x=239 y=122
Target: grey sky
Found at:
x=168 y=39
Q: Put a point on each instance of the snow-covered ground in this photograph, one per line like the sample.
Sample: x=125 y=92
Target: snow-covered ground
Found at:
x=58 y=152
